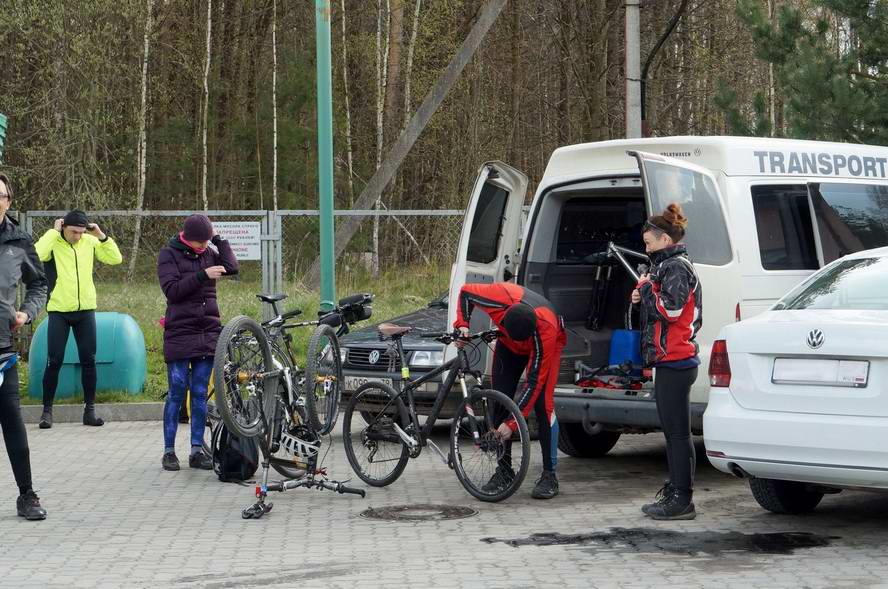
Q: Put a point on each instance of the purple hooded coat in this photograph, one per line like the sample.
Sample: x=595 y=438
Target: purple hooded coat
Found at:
x=192 y=321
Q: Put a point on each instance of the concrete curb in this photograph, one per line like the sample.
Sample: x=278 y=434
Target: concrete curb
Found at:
x=110 y=412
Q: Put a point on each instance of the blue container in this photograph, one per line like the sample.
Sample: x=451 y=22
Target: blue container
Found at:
x=121 y=358
x=625 y=347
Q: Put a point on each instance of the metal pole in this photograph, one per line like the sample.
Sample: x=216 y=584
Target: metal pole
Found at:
x=633 y=70
x=325 y=153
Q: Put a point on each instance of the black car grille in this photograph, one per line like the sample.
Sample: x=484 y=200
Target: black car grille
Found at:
x=360 y=358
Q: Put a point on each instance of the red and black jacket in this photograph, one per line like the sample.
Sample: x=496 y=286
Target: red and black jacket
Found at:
x=671 y=309
x=543 y=349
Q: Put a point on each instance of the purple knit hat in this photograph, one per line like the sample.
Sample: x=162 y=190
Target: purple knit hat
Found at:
x=198 y=228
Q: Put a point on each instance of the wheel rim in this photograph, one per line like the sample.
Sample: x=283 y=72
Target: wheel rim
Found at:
x=376 y=447
x=479 y=458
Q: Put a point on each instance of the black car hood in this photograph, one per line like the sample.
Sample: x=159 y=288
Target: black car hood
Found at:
x=425 y=319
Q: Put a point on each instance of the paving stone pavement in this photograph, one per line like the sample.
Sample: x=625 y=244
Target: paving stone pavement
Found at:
x=117 y=520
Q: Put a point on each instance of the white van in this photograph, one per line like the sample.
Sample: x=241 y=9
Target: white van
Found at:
x=764 y=214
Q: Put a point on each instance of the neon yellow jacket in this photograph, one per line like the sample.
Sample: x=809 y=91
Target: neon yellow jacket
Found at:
x=69 y=268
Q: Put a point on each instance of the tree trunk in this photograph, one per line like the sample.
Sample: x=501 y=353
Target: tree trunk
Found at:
x=349 y=153
x=274 y=111
x=381 y=88
x=206 y=102
x=411 y=46
x=143 y=142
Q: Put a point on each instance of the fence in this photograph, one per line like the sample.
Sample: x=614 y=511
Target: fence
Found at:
x=289 y=239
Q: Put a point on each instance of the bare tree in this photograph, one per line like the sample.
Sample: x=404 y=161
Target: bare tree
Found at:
x=143 y=140
x=349 y=153
x=382 y=55
x=274 y=108
x=411 y=47
x=206 y=101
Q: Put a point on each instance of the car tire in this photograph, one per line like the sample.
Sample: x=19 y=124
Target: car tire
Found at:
x=574 y=441
x=785 y=497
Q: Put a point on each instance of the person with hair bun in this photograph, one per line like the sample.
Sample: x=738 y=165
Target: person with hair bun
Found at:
x=671 y=300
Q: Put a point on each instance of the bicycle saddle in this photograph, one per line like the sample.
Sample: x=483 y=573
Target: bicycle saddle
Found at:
x=271 y=298
x=392 y=330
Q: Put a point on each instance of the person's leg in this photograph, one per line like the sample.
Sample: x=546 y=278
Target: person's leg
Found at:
x=200 y=381
x=661 y=386
x=177 y=378
x=547 y=423
x=16 y=438
x=56 y=338
x=85 y=335
x=673 y=398
x=507 y=370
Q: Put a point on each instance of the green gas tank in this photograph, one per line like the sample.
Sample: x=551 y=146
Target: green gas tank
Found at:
x=121 y=359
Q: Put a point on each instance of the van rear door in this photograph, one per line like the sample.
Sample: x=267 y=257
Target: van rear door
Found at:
x=667 y=180
x=488 y=242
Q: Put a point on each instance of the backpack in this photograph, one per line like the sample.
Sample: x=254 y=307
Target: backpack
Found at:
x=234 y=458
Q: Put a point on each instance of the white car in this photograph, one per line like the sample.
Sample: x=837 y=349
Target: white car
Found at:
x=799 y=397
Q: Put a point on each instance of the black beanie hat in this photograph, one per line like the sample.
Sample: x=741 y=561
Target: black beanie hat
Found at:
x=76 y=218
x=198 y=228
x=520 y=321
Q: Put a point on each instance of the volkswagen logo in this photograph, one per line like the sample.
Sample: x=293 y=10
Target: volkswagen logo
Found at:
x=374 y=357
x=815 y=339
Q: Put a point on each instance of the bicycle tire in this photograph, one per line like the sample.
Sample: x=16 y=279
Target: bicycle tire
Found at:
x=380 y=394
x=322 y=409
x=483 y=400
x=242 y=416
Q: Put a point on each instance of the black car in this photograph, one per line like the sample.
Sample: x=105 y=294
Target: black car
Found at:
x=365 y=358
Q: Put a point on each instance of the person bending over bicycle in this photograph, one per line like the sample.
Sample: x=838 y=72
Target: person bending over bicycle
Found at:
x=531 y=338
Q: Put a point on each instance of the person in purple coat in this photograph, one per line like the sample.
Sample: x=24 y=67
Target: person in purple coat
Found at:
x=188 y=268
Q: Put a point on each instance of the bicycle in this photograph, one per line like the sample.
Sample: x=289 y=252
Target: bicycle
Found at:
x=378 y=452
x=265 y=395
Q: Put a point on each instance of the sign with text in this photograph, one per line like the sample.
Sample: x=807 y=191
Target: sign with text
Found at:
x=244 y=237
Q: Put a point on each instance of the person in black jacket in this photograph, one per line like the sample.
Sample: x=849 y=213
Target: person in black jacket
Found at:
x=18 y=263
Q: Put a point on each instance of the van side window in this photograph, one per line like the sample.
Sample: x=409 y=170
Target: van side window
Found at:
x=850 y=217
x=783 y=224
x=487 y=224
x=707 y=238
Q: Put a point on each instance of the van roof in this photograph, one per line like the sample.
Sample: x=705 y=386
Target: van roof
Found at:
x=733 y=156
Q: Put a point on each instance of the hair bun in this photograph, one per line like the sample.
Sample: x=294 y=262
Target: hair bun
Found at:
x=674 y=215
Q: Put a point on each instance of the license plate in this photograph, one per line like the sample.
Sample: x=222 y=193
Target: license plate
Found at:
x=836 y=373
x=353 y=382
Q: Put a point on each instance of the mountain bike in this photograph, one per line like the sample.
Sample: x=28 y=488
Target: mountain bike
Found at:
x=381 y=429
x=261 y=392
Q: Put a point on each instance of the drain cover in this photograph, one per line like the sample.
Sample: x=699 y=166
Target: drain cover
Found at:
x=418 y=513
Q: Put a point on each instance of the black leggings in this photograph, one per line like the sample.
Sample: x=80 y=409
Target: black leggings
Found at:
x=673 y=389
x=14 y=433
x=84 y=326
x=507 y=370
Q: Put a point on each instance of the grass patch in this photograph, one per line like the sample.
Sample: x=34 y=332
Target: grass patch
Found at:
x=396 y=291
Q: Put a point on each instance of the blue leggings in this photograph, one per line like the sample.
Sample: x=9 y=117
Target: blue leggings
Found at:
x=182 y=375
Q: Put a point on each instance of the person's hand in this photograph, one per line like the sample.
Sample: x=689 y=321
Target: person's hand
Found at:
x=58 y=224
x=215 y=272
x=503 y=432
x=20 y=319
x=94 y=230
x=463 y=332
x=636 y=297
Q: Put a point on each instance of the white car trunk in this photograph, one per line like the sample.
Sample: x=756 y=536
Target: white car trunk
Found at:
x=812 y=361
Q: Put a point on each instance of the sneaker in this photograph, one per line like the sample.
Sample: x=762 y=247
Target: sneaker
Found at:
x=90 y=417
x=28 y=507
x=678 y=506
x=662 y=496
x=546 y=486
x=170 y=462
x=503 y=476
x=200 y=460
x=46 y=419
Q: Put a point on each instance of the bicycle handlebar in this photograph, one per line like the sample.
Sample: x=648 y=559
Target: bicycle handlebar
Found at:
x=448 y=338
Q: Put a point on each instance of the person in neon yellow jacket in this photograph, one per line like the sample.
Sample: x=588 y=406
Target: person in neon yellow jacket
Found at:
x=68 y=251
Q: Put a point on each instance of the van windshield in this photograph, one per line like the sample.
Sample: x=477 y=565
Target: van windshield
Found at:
x=860 y=284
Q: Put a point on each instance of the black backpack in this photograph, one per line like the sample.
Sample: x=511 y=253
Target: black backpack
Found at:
x=234 y=458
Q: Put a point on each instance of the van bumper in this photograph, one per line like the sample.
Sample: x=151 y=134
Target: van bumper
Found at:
x=633 y=414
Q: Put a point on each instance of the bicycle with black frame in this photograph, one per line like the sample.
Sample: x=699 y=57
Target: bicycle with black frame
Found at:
x=262 y=393
x=381 y=429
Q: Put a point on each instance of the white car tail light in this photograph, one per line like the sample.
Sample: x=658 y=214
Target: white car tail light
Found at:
x=719 y=365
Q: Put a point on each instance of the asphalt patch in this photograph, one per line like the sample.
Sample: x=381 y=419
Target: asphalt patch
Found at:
x=652 y=540
x=418 y=513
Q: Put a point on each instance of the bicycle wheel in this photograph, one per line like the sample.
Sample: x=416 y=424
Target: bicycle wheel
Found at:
x=375 y=451
x=323 y=379
x=242 y=356
x=476 y=460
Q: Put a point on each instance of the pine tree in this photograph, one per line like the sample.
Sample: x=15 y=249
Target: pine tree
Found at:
x=831 y=68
